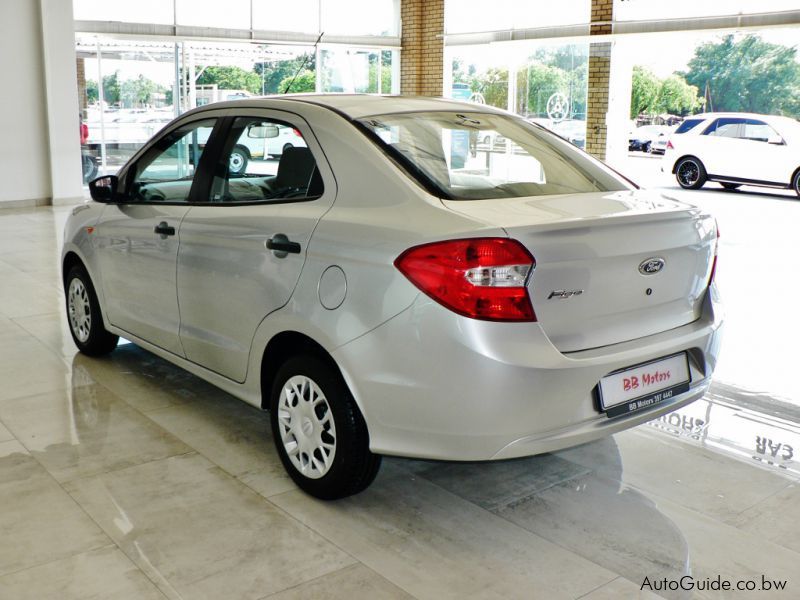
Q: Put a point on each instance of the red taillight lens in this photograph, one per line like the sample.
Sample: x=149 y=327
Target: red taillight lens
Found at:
x=296 y=132
x=481 y=278
x=714 y=264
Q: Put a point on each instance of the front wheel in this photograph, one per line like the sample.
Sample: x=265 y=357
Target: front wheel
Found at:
x=796 y=182
x=83 y=314
x=690 y=173
x=319 y=432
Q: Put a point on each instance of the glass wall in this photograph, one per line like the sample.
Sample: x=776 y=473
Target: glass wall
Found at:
x=467 y=16
x=641 y=10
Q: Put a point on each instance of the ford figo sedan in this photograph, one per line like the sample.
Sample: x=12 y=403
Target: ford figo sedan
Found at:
x=736 y=149
x=385 y=289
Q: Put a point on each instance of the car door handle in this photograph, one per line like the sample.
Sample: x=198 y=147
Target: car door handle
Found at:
x=163 y=228
x=281 y=245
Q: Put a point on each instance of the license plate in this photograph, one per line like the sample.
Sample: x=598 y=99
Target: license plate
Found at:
x=644 y=385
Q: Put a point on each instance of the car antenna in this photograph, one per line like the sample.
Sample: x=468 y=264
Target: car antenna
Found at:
x=305 y=60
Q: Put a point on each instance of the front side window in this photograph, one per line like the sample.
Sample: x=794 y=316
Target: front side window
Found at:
x=725 y=127
x=758 y=131
x=471 y=156
x=265 y=160
x=166 y=172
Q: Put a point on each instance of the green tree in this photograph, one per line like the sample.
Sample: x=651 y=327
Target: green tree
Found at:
x=137 y=92
x=92 y=93
x=306 y=81
x=111 y=88
x=272 y=73
x=538 y=83
x=492 y=85
x=748 y=75
x=677 y=97
x=231 y=78
x=644 y=92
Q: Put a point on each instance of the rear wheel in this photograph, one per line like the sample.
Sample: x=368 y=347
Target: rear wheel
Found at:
x=237 y=164
x=690 y=173
x=83 y=314
x=731 y=186
x=319 y=432
x=287 y=146
x=796 y=182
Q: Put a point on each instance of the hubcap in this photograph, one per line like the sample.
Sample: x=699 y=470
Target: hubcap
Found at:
x=689 y=173
x=306 y=426
x=79 y=309
x=236 y=162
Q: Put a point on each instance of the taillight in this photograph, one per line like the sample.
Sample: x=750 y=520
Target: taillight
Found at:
x=480 y=278
x=669 y=145
x=714 y=263
x=296 y=132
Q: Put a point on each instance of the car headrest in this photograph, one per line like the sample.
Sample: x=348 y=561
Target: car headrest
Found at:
x=295 y=168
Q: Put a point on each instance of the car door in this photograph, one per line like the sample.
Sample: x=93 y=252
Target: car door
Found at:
x=137 y=237
x=719 y=147
x=768 y=158
x=242 y=251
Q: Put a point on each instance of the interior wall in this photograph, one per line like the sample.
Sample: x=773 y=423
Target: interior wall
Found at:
x=24 y=154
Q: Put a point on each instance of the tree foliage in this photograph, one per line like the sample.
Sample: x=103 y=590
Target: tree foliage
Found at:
x=653 y=96
x=748 y=75
x=306 y=81
x=644 y=92
x=272 y=74
x=231 y=78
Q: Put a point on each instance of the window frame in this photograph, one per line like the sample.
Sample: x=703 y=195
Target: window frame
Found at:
x=712 y=128
x=199 y=194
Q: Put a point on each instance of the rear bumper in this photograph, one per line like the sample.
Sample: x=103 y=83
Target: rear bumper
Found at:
x=432 y=384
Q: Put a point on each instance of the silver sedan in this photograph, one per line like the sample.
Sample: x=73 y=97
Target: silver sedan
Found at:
x=389 y=288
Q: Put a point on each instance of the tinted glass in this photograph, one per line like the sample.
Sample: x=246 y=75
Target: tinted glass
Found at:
x=265 y=160
x=758 y=131
x=688 y=125
x=165 y=173
x=725 y=127
x=467 y=156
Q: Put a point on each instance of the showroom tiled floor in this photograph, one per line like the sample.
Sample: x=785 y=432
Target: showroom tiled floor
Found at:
x=125 y=477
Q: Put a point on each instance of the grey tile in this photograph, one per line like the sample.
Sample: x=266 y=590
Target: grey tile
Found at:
x=86 y=430
x=434 y=544
x=620 y=589
x=776 y=519
x=199 y=533
x=352 y=582
x=103 y=574
x=39 y=522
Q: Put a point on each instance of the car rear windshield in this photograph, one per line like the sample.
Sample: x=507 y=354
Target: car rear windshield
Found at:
x=688 y=124
x=476 y=155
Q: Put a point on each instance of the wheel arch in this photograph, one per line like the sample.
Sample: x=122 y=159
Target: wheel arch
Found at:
x=679 y=159
x=795 y=173
x=245 y=149
x=281 y=347
x=70 y=260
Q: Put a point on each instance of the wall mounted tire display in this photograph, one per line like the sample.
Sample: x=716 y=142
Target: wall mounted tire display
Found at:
x=84 y=316
x=318 y=429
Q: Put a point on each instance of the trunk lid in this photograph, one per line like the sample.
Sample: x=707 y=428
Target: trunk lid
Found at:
x=588 y=289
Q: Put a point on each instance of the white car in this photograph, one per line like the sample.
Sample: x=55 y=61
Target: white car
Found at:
x=736 y=149
x=264 y=142
x=387 y=291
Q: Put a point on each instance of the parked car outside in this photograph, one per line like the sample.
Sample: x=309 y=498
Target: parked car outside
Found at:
x=737 y=149
x=379 y=300
x=572 y=130
x=649 y=138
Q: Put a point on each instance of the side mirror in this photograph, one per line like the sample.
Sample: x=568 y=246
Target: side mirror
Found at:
x=104 y=189
x=775 y=139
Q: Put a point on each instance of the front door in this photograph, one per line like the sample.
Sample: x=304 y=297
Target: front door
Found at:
x=242 y=252
x=137 y=239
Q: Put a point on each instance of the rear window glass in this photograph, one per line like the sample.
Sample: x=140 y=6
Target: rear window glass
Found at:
x=688 y=125
x=472 y=156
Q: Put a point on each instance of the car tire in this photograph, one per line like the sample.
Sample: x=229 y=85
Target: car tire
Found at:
x=83 y=315
x=690 y=173
x=731 y=186
x=319 y=432
x=286 y=147
x=648 y=148
x=89 y=165
x=237 y=163
x=796 y=182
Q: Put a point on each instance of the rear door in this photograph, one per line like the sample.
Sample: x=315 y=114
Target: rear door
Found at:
x=229 y=279
x=137 y=238
x=765 y=161
x=720 y=147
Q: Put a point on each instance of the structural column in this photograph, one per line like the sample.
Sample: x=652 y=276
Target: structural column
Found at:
x=422 y=39
x=599 y=74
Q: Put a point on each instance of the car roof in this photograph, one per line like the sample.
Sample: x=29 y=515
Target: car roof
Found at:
x=357 y=106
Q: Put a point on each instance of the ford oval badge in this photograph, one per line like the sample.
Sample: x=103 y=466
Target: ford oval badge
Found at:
x=651 y=266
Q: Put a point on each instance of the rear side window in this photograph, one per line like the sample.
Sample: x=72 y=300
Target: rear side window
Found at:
x=688 y=125
x=265 y=160
x=758 y=131
x=726 y=127
x=476 y=155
